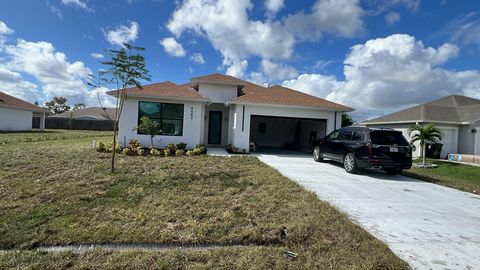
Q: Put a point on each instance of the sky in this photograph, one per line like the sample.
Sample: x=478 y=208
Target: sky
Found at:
x=377 y=56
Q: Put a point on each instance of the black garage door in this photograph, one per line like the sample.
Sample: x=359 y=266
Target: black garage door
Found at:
x=286 y=132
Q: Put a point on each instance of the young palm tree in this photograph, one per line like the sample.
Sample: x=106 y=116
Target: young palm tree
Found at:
x=424 y=134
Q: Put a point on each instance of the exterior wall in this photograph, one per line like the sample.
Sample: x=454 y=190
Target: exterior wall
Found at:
x=467 y=139
x=15 y=120
x=477 y=138
x=192 y=124
x=218 y=93
x=241 y=125
x=450 y=137
x=225 y=121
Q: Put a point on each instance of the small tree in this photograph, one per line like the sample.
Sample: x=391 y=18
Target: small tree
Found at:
x=57 y=105
x=125 y=69
x=423 y=134
x=346 y=120
x=79 y=106
x=149 y=127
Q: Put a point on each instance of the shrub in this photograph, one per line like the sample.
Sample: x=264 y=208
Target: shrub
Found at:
x=140 y=151
x=166 y=152
x=134 y=144
x=197 y=151
x=181 y=146
x=179 y=152
x=190 y=153
x=171 y=147
x=200 y=149
x=126 y=151
x=155 y=152
x=101 y=146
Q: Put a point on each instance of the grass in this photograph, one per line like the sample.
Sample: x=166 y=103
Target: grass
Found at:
x=454 y=175
x=48 y=135
x=63 y=194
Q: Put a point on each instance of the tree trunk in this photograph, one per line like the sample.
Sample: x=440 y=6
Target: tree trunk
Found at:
x=112 y=167
x=424 y=150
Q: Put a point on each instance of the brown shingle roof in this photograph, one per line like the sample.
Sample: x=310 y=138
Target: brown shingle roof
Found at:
x=15 y=103
x=97 y=112
x=219 y=78
x=454 y=108
x=163 y=89
x=285 y=96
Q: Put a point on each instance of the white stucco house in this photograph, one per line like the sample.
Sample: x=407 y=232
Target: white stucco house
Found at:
x=17 y=114
x=457 y=117
x=218 y=110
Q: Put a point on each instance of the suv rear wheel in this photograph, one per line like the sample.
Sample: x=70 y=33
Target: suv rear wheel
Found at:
x=350 y=163
x=317 y=154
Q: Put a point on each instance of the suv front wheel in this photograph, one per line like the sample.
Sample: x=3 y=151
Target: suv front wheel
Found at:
x=317 y=154
x=350 y=163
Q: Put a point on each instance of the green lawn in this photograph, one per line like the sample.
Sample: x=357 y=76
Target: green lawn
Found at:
x=454 y=175
x=48 y=135
x=62 y=193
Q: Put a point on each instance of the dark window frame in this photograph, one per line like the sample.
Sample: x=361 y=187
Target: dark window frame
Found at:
x=163 y=119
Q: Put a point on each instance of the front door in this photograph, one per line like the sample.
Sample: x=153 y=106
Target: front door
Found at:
x=215 y=127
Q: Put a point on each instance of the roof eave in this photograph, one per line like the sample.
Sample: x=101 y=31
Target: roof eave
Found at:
x=346 y=109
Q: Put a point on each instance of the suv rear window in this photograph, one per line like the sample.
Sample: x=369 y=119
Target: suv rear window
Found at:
x=388 y=138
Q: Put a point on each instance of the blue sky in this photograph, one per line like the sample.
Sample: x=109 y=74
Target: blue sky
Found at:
x=374 y=55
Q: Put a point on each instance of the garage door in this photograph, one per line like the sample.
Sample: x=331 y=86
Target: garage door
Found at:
x=286 y=132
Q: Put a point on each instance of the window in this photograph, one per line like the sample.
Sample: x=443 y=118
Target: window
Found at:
x=388 y=138
x=346 y=135
x=333 y=135
x=262 y=127
x=168 y=115
x=357 y=135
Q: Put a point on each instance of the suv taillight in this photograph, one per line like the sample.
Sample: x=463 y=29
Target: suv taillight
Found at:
x=370 y=148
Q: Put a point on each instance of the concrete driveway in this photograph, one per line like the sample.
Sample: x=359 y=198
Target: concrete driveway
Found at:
x=427 y=225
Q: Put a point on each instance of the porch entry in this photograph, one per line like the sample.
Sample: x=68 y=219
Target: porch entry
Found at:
x=215 y=127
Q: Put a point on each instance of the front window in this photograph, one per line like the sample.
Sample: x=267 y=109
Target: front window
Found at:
x=168 y=115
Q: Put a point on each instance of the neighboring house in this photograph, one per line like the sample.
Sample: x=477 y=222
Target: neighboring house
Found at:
x=457 y=117
x=16 y=114
x=92 y=113
x=219 y=110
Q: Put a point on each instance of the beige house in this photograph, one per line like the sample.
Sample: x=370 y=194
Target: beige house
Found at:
x=457 y=117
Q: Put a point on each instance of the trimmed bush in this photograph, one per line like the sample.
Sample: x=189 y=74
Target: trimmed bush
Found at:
x=101 y=146
x=155 y=152
x=134 y=144
x=182 y=146
x=126 y=151
x=190 y=153
x=179 y=152
x=166 y=153
x=140 y=151
x=171 y=147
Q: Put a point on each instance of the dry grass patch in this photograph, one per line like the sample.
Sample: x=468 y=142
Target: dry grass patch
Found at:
x=63 y=194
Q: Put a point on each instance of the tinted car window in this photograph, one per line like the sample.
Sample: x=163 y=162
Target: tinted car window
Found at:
x=388 y=138
x=357 y=135
x=346 y=135
x=333 y=135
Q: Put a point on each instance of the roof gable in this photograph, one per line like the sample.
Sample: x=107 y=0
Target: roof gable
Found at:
x=163 y=89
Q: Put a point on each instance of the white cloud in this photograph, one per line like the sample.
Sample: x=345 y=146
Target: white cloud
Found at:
x=392 y=18
x=78 y=3
x=273 y=6
x=97 y=55
x=13 y=84
x=172 y=47
x=339 y=17
x=465 y=30
x=4 y=30
x=237 y=69
x=197 y=58
x=51 y=69
x=227 y=26
x=122 y=34
x=275 y=71
x=386 y=74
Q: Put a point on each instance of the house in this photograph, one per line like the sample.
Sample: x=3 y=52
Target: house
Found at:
x=219 y=110
x=16 y=114
x=457 y=117
x=92 y=113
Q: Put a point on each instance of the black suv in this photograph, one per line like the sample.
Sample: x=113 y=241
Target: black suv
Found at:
x=366 y=148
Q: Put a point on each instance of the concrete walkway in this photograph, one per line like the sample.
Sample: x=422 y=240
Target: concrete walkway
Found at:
x=217 y=151
x=427 y=225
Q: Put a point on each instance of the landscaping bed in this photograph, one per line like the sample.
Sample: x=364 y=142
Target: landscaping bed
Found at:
x=455 y=175
x=63 y=193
